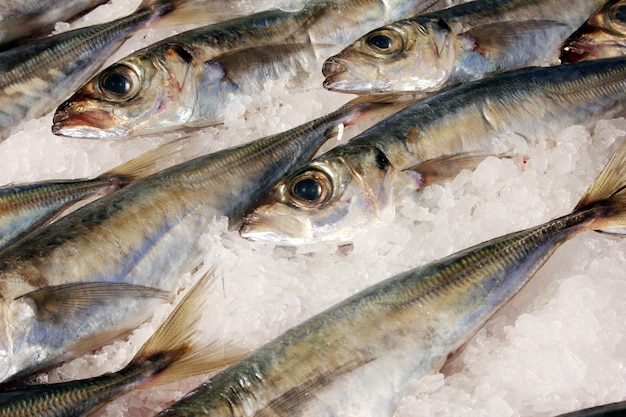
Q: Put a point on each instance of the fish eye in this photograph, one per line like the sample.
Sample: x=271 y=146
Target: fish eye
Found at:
x=119 y=83
x=620 y=13
x=386 y=42
x=311 y=189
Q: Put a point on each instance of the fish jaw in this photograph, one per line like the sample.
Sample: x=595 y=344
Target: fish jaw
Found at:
x=602 y=36
x=416 y=60
x=355 y=191
x=158 y=94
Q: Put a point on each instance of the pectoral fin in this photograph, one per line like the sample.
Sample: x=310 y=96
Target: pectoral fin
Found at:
x=444 y=168
x=504 y=38
x=60 y=303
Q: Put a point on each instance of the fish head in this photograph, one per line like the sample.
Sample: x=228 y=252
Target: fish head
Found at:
x=400 y=57
x=141 y=94
x=329 y=198
x=603 y=35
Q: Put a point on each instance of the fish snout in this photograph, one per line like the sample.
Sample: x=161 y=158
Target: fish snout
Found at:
x=279 y=229
x=79 y=121
x=332 y=66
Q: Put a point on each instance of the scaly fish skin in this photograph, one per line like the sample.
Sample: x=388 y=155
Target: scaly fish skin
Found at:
x=143 y=235
x=189 y=79
x=34 y=78
x=603 y=35
x=19 y=19
x=429 y=52
x=355 y=184
x=355 y=358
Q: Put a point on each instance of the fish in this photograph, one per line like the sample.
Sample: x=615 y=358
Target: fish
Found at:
x=133 y=245
x=170 y=354
x=356 y=357
x=22 y=19
x=601 y=36
x=429 y=52
x=188 y=80
x=36 y=77
x=359 y=183
x=25 y=208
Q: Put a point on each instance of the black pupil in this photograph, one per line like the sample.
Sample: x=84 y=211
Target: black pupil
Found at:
x=621 y=13
x=307 y=189
x=116 y=83
x=380 y=41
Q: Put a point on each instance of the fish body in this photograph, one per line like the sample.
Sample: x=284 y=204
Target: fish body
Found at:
x=24 y=18
x=429 y=52
x=189 y=79
x=355 y=184
x=169 y=354
x=25 y=208
x=355 y=358
x=137 y=240
x=601 y=36
x=35 y=77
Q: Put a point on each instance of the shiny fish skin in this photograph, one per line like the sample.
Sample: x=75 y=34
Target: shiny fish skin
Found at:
x=24 y=18
x=34 y=78
x=359 y=181
x=146 y=234
x=429 y=52
x=602 y=36
x=169 y=354
x=355 y=358
x=188 y=80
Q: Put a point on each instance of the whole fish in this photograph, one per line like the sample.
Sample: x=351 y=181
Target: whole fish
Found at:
x=144 y=235
x=24 y=18
x=25 y=208
x=601 y=36
x=355 y=358
x=170 y=354
x=355 y=184
x=188 y=80
x=429 y=52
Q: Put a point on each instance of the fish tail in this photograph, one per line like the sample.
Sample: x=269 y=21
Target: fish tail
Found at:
x=174 y=341
x=607 y=196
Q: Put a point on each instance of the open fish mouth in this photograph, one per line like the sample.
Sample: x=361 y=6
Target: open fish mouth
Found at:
x=94 y=124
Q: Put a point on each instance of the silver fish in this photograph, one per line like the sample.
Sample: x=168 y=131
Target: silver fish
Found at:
x=188 y=80
x=23 y=18
x=355 y=184
x=603 y=35
x=356 y=357
x=25 y=208
x=144 y=235
x=429 y=52
x=34 y=78
x=170 y=354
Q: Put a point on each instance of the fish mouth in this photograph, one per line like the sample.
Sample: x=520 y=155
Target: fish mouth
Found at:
x=282 y=229
x=91 y=124
x=345 y=76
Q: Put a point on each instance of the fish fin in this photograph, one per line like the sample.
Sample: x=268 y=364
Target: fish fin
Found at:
x=607 y=195
x=175 y=337
x=495 y=39
x=149 y=162
x=443 y=168
x=284 y=405
x=60 y=303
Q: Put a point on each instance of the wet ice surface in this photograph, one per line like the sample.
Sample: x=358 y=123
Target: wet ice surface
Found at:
x=557 y=346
